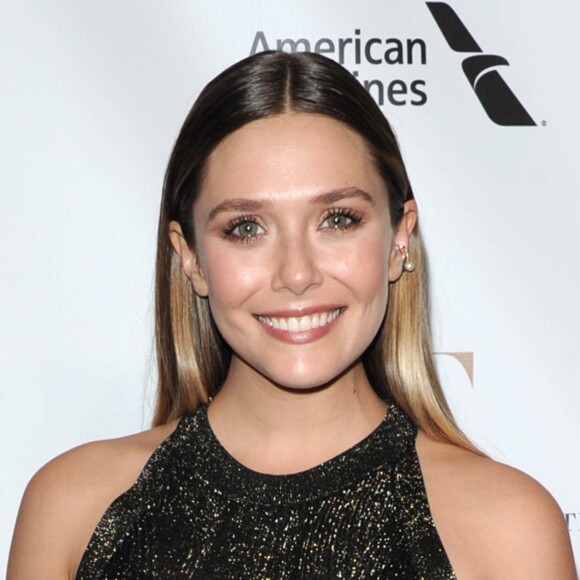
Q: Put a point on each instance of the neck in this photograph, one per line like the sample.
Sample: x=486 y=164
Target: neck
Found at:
x=276 y=430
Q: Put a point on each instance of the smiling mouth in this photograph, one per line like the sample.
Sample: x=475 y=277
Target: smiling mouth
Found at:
x=301 y=323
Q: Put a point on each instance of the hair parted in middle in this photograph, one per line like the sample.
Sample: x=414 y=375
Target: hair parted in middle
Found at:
x=193 y=359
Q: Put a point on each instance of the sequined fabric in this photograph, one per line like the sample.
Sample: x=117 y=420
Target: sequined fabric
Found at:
x=195 y=512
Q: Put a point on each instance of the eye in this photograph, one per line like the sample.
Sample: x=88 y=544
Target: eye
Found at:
x=338 y=221
x=341 y=219
x=243 y=229
x=247 y=230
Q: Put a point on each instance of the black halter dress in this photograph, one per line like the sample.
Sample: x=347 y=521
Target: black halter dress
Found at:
x=195 y=512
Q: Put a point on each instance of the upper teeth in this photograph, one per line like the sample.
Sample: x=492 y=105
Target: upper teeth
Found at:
x=302 y=323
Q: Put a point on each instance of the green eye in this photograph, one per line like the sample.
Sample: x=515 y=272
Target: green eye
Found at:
x=339 y=221
x=247 y=229
x=244 y=229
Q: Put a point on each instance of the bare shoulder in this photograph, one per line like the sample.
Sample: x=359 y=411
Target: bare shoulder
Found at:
x=494 y=520
x=67 y=497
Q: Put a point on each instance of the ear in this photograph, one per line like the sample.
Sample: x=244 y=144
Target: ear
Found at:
x=401 y=238
x=189 y=262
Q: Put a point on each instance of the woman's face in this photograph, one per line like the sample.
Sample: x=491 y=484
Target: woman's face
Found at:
x=292 y=246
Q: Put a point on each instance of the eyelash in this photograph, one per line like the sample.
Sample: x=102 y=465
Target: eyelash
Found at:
x=228 y=231
x=354 y=217
x=233 y=224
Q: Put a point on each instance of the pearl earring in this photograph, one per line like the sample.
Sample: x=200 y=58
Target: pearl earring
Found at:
x=407 y=264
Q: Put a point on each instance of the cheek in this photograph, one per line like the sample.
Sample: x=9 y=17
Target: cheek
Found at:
x=365 y=265
x=232 y=278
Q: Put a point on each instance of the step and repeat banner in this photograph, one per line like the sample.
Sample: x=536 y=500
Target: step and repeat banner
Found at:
x=483 y=97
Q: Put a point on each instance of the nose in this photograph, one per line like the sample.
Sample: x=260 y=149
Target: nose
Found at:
x=297 y=266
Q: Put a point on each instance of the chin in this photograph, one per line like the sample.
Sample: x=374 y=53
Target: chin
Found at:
x=308 y=381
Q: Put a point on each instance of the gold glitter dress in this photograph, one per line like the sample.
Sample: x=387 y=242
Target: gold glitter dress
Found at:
x=195 y=512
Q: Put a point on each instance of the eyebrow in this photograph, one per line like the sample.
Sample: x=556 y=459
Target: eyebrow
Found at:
x=251 y=205
x=344 y=193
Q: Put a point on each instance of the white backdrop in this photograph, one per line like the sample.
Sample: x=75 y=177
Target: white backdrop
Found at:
x=92 y=96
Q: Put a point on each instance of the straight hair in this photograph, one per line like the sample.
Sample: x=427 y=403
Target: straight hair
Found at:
x=192 y=357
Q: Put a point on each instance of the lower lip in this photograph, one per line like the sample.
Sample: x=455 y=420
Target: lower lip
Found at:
x=302 y=336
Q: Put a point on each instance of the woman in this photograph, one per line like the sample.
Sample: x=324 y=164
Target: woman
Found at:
x=300 y=429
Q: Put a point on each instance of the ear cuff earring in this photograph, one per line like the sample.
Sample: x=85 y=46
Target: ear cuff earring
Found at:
x=408 y=265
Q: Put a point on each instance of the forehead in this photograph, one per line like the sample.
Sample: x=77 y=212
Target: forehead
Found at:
x=293 y=152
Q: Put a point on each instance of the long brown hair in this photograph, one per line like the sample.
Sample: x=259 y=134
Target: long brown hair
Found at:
x=193 y=358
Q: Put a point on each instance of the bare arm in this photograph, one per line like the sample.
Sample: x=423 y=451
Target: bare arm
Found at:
x=533 y=541
x=65 y=500
x=495 y=522
x=44 y=539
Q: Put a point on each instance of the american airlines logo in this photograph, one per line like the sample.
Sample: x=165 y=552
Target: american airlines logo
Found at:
x=394 y=66
x=497 y=99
